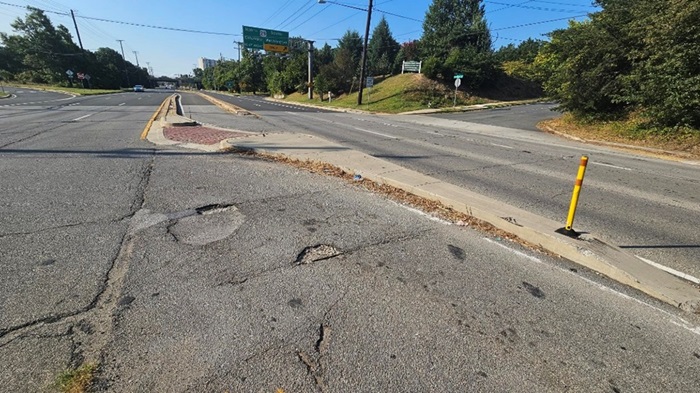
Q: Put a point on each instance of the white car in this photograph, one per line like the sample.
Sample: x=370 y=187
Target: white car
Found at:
x=138 y=88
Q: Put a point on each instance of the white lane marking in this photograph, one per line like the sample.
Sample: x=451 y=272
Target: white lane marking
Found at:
x=611 y=166
x=670 y=270
x=82 y=117
x=424 y=214
x=507 y=147
x=375 y=133
x=123 y=103
x=671 y=318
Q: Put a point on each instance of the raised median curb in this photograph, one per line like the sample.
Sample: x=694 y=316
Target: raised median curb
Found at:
x=590 y=252
x=227 y=106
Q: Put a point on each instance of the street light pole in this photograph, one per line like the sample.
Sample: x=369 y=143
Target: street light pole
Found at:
x=364 y=54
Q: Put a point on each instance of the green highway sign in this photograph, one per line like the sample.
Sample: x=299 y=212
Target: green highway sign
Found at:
x=459 y=76
x=265 y=39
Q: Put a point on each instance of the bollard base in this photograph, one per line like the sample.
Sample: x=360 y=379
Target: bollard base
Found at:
x=568 y=232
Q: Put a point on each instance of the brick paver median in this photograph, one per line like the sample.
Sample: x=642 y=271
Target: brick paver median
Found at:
x=199 y=134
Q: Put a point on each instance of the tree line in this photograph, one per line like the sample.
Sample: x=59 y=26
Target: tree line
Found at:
x=632 y=58
x=42 y=53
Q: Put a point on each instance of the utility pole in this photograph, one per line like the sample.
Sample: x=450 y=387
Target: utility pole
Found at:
x=124 y=62
x=311 y=77
x=364 y=55
x=136 y=54
x=240 y=45
x=77 y=31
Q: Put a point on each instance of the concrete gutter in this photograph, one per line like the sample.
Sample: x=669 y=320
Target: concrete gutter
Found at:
x=588 y=251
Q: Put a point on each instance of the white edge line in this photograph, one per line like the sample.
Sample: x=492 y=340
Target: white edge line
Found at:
x=424 y=214
x=670 y=270
x=123 y=103
x=672 y=318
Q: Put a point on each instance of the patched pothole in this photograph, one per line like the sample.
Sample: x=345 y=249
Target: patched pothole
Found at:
x=316 y=253
x=207 y=224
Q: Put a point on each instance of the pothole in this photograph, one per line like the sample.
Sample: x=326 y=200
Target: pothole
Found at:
x=316 y=253
x=207 y=224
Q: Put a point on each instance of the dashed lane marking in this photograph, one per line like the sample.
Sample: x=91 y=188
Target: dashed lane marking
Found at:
x=82 y=117
x=611 y=166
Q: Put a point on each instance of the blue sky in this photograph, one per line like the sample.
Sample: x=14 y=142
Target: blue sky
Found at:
x=175 y=52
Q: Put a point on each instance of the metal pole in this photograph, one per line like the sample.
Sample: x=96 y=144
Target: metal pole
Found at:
x=577 y=191
x=311 y=77
x=364 y=54
x=124 y=62
x=136 y=54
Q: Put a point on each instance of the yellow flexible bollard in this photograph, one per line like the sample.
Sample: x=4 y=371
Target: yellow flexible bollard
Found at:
x=577 y=191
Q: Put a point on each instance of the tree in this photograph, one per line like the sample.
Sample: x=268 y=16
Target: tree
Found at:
x=45 y=51
x=526 y=51
x=457 y=39
x=451 y=24
x=633 y=56
x=382 y=49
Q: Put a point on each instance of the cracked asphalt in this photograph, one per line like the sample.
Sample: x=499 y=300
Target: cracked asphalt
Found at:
x=177 y=270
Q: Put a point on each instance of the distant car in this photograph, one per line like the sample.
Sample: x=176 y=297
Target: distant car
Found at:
x=138 y=88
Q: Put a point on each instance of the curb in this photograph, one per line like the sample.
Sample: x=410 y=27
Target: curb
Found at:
x=652 y=151
x=590 y=252
x=227 y=106
x=471 y=108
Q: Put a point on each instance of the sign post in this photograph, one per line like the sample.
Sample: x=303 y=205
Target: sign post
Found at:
x=458 y=82
x=369 y=84
x=264 y=39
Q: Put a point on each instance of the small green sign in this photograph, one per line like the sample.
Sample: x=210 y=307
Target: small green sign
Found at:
x=459 y=76
x=264 y=39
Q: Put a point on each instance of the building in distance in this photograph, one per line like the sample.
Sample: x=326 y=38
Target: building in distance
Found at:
x=204 y=63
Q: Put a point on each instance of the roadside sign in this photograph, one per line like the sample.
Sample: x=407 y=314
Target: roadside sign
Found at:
x=265 y=39
x=411 y=66
x=69 y=73
x=370 y=81
x=81 y=76
x=458 y=82
x=229 y=84
x=459 y=76
x=87 y=76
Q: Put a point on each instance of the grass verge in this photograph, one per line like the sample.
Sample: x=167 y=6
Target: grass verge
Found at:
x=396 y=94
x=71 y=90
x=684 y=142
x=78 y=380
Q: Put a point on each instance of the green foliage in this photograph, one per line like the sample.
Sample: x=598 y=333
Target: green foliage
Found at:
x=41 y=53
x=454 y=24
x=382 y=50
x=457 y=39
x=633 y=56
x=524 y=52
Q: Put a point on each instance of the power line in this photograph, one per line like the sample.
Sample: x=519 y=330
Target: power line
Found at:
x=312 y=16
x=300 y=15
x=277 y=12
x=530 y=7
x=294 y=13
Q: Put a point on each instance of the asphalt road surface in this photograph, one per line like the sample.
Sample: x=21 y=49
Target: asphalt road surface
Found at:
x=179 y=270
x=647 y=205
